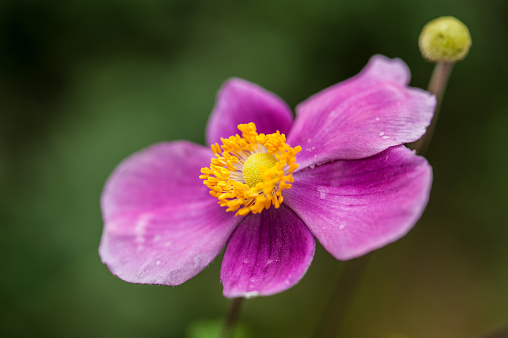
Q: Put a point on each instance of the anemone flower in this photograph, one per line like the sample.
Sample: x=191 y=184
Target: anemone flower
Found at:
x=343 y=176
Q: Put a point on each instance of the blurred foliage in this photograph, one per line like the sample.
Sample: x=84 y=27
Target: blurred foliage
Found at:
x=212 y=328
x=85 y=83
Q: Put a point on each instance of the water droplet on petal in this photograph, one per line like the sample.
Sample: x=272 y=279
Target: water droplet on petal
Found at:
x=322 y=192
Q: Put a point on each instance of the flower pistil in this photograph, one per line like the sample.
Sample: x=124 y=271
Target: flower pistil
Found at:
x=250 y=171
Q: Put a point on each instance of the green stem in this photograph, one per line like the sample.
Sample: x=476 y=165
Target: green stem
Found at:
x=235 y=308
x=343 y=294
x=437 y=86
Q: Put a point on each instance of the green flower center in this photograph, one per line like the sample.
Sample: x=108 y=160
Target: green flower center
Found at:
x=253 y=167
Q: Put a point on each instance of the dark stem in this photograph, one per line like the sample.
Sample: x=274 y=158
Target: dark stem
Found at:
x=437 y=86
x=343 y=294
x=235 y=308
x=501 y=333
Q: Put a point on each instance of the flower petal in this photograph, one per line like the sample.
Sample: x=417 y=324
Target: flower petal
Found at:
x=362 y=116
x=268 y=253
x=356 y=206
x=240 y=101
x=161 y=224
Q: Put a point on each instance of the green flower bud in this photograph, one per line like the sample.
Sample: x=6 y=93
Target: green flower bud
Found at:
x=445 y=39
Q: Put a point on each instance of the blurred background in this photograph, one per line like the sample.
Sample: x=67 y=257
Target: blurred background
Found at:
x=83 y=84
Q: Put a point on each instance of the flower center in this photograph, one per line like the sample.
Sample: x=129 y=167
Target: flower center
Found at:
x=249 y=172
x=253 y=167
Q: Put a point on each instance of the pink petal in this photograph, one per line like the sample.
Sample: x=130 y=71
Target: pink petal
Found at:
x=356 y=206
x=268 y=253
x=240 y=101
x=161 y=224
x=362 y=116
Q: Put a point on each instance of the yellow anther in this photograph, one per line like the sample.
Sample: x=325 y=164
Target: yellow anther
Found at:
x=250 y=171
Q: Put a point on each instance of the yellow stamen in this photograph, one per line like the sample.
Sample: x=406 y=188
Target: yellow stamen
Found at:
x=249 y=172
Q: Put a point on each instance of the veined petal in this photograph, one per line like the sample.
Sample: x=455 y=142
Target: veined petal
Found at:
x=362 y=116
x=161 y=225
x=268 y=253
x=241 y=102
x=356 y=206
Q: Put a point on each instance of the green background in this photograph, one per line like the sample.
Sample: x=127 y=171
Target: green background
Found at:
x=83 y=84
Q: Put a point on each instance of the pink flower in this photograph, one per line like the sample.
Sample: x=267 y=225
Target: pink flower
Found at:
x=356 y=188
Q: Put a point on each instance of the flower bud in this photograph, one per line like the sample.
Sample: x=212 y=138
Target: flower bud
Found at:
x=445 y=39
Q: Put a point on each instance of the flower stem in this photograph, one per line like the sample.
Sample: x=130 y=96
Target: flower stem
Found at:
x=343 y=294
x=437 y=86
x=235 y=308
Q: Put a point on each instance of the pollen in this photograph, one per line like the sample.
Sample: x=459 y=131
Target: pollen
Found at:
x=249 y=172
